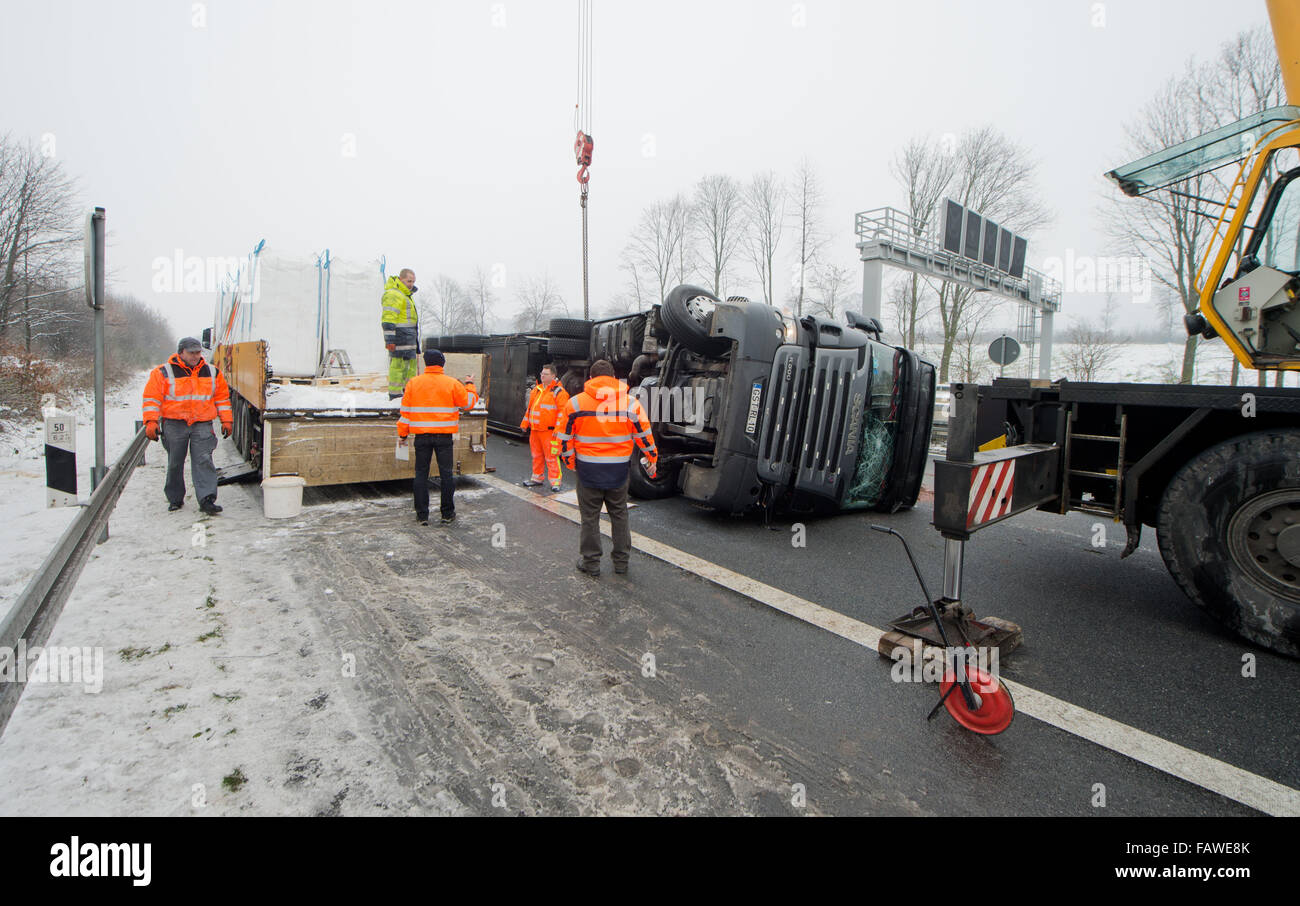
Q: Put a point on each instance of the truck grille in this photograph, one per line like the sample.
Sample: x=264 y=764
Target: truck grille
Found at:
x=778 y=439
x=831 y=411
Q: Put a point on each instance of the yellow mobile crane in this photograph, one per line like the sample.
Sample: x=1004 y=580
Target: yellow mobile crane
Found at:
x=1215 y=469
x=1254 y=311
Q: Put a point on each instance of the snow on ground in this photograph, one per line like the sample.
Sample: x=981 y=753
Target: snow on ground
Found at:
x=306 y=396
x=212 y=680
x=28 y=528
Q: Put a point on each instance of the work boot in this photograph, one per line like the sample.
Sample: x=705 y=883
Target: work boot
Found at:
x=594 y=573
x=620 y=569
x=173 y=507
x=555 y=488
x=448 y=520
x=423 y=519
x=533 y=483
x=209 y=505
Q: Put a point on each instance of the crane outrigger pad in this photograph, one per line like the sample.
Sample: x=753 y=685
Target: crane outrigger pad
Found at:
x=1216 y=148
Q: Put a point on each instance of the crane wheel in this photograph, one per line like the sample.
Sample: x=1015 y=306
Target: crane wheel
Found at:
x=1229 y=530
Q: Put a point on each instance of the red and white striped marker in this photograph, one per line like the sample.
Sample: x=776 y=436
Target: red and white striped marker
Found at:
x=990 y=492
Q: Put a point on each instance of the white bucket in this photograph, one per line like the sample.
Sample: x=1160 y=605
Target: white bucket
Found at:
x=282 y=496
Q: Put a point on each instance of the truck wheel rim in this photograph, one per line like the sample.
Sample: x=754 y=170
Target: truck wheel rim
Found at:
x=1264 y=541
x=700 y=308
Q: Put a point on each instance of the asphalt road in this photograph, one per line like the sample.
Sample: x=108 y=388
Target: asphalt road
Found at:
x=1117 y=638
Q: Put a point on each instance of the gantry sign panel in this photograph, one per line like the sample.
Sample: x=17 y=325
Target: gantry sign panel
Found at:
x=967 y=233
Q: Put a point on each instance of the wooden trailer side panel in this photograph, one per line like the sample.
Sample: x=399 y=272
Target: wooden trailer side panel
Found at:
x=350 y=450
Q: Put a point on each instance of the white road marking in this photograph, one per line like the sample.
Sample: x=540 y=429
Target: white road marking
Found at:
x=1239 y=785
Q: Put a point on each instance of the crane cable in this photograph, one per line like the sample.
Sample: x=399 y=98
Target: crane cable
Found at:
x=583 y=143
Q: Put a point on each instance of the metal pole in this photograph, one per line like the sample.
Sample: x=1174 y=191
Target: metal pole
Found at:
x=101 y=465
x=954 y=554
x=873 y=274
x=1045 y=361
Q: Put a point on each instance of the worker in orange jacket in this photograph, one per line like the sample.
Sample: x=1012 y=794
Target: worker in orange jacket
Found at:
x=545 y=404
x=181 y=400
x=431 y=407
x=603 y=425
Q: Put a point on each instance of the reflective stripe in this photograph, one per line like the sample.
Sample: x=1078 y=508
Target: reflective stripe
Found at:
x=432 y=424
x=588 y=457
x=150 y=399
x=442 y=409
x=187 y=399
x=607 y=439
x=547 y=406
x=562 y=436
x=642 y=434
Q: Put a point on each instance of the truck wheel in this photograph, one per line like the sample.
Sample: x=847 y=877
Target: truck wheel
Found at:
x=687 y=312
x=642 y=486
x=568 y=347
x=1229 y=530
x=576 y=328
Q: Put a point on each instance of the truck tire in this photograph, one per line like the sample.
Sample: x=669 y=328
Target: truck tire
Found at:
x=1229 y=531
x=568 y=347
x=462 y=342
x=687 y=312
x=576 y=328
x=642 y=486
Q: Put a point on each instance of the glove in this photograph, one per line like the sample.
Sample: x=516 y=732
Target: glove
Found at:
x=225 y=430
x=391 y=347
x=648 y=466
x=151 y=430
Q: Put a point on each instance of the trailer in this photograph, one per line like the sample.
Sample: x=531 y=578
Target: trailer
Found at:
x=300 y=344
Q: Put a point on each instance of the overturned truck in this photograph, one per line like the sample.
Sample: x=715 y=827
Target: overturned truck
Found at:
x=750 y=407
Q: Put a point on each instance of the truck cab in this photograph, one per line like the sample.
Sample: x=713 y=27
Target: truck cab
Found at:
x=751 y=407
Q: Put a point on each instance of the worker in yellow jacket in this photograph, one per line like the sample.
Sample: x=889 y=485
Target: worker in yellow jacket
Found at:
x=431 y=407
x=401 y=323
x=546 y=402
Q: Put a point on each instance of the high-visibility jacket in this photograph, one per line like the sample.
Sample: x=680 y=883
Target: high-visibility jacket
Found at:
x=432 y=403
x=545 y=405
x=198 y=394
x=601 y=426
x=400 y=320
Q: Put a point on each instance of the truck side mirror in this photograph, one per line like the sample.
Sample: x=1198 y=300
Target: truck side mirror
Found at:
x=207 y=338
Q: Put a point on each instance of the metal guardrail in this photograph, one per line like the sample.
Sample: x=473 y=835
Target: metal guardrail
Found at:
x=32 y=616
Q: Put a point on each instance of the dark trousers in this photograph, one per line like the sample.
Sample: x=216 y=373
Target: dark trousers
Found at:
x=199 y=441
x=427 y=446
x=615 y=503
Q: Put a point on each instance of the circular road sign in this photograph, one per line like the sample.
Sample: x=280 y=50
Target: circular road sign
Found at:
x=1004 y=350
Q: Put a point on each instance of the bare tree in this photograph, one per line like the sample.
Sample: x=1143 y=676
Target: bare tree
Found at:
x=654 y=253
x=1091 y=347
x=1169 y=228
x=480 y=302
x=38 y=231
x=764 y=201
x=805 y=196
x=717 y=221
x=995 y=177
x=971 y=357
x=830 y=282
x=539 y=302
x=445 y=310
x=926 y=169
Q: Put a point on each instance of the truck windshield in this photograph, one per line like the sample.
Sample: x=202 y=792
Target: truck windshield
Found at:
x=879 y=424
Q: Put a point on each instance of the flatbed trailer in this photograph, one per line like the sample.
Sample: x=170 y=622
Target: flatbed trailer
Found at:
x=1214 y=469
x=346 y=443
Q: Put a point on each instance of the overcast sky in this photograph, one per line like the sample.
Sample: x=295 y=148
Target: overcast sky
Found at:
x=205 y=127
